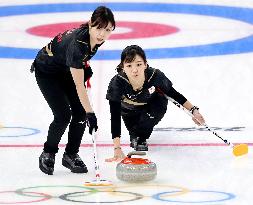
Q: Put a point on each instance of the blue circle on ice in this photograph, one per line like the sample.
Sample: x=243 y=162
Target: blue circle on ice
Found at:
x=20 y=131
x=242 y=45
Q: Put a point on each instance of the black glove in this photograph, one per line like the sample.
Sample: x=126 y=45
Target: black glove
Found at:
x=91 y=121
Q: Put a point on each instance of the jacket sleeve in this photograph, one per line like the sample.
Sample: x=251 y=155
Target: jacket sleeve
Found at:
x=115 y=109
x=162 y=82
x=74 y=56
x=177 y=96
x=114 y=91
x=165 y=85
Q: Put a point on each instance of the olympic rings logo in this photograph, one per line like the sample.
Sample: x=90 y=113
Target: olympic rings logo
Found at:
x=113 y=194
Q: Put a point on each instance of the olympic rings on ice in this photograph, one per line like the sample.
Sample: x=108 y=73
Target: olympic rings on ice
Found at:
x=115 y=194
x=227 y=196
x=23 y=191
x=136 y=196
x=44 y=198
x=180 y=190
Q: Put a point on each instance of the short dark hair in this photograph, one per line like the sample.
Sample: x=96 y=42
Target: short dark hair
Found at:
x=101 y=17
x=128 y=55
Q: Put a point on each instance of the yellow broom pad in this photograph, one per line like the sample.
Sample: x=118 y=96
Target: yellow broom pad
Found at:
x=241 y=149
x=101 y=182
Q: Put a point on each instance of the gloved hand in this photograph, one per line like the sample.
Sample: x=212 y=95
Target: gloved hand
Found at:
x=91 y=121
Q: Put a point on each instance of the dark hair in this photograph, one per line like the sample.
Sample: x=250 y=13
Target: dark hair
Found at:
x=128 y=55
x=101 y=17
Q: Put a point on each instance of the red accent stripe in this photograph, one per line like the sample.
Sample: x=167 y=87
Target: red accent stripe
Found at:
x=88 y=84
x=110 y=145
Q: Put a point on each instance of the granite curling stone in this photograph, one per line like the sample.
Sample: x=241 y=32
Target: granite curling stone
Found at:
x=136 y=169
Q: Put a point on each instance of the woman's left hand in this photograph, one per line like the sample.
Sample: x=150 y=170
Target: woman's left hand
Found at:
x=198 y=118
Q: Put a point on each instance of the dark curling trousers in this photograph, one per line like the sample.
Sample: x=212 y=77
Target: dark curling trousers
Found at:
x=60 y=93
x=140 y=123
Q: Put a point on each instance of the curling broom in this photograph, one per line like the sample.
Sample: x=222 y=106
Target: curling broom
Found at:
x=98 y=181
x=238 y=150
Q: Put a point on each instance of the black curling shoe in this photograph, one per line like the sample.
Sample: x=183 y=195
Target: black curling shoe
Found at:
x=141 y=146
x=46 y=162
x=133 y=142
x=74 y=163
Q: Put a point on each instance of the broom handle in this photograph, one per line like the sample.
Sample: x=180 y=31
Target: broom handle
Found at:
x=95 y=155
x=203 y=124
x=97 y=172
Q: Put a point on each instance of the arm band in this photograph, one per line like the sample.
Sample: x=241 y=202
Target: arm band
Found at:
x=193 y=109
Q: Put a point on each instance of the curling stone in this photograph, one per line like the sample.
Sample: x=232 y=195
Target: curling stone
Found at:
x=136 y=169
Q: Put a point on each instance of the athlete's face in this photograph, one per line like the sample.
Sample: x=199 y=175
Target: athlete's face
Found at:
x=99 y=35
x=135 y=69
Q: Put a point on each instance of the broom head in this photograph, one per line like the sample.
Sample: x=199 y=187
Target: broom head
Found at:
x=240 y=149
x=100 y=182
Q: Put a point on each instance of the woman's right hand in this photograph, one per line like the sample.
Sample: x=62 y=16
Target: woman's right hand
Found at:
x=118 y=155
x=91 y=121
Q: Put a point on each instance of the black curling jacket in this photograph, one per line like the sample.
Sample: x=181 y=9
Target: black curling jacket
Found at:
x=123 y=98
x=68 y=49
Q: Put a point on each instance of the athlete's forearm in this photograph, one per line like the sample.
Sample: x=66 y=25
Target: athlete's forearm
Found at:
x=78 y=77
x=84 y=99
x=188 y=105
